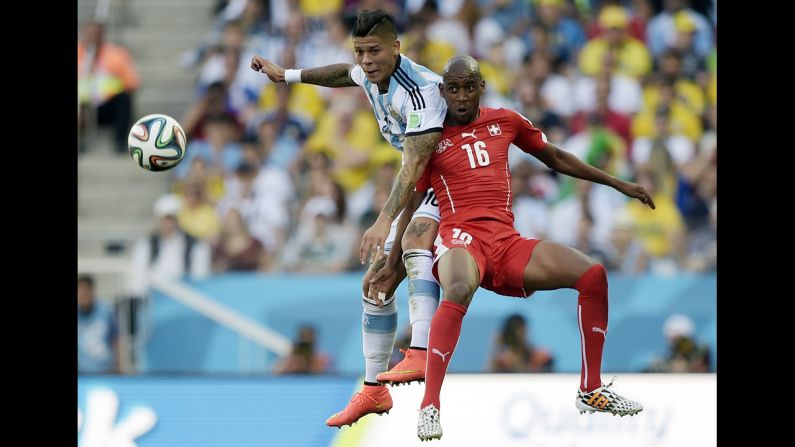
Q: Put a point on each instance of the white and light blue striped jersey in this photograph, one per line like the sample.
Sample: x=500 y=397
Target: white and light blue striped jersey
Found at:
x=413 y=104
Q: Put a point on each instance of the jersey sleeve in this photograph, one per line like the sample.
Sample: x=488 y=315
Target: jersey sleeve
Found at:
x=357 y=75
x=424 y=110
x=528 y=138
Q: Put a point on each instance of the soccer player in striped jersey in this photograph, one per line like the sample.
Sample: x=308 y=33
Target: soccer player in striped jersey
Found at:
x=409 y=109
x=481 y=248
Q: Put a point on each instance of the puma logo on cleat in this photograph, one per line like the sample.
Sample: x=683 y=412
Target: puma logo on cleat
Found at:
x=439 y=353
x=602 y=331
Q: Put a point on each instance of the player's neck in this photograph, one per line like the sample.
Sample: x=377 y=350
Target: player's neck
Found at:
x=383 y=86
x=450 y=121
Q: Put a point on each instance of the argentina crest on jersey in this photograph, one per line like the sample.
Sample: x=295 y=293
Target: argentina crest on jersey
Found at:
x=395 y=114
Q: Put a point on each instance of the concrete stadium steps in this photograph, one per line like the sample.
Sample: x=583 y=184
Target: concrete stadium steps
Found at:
x=163 y=31
x=115 y=197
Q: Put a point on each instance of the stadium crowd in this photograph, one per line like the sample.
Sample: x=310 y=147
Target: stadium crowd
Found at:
x=289 y=176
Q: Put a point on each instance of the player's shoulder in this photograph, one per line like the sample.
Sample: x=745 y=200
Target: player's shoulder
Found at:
x=415 y=74
x=500 y=112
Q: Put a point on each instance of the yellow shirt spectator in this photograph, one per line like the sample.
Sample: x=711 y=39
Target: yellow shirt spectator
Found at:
x=632 y=58
x=656 y=229
x=629 y=56
x=354 y=154
x=682 y=121
x=304 y=101
x=319 y=8
x=201 y=222
x=687 y=91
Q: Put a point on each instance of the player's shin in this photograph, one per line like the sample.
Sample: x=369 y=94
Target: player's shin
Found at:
x=445 y=330
x=423 y=294
x=379 y=328
x=592 y=321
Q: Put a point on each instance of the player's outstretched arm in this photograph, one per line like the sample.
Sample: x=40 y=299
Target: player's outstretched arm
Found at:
x=417 y=150
x=568 y=164
x=336 y=75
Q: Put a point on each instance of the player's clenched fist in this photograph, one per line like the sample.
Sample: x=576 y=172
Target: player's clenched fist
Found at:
x=275 y=73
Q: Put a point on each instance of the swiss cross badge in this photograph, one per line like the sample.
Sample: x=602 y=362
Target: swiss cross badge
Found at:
x=494 y=129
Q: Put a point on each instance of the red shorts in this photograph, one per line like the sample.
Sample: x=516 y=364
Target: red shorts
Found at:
x=500 y=253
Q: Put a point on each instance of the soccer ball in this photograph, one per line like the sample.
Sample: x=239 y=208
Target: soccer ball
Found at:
x=156 y=142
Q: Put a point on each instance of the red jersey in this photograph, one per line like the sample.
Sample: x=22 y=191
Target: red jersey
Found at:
x=469 y=170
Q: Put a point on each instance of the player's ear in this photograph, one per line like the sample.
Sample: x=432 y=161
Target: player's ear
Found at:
x=396 y=46
x=482 y=86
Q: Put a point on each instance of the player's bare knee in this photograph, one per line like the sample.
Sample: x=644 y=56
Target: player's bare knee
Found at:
x=459 y=292
x=593 y=281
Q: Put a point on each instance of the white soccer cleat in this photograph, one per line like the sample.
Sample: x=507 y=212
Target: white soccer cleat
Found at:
x=606 y=401
x=429 y=425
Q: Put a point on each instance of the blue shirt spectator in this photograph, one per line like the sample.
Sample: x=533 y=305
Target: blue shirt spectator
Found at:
x=97 y=334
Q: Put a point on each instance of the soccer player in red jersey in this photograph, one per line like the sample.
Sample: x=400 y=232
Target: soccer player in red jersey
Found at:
x=479 y=246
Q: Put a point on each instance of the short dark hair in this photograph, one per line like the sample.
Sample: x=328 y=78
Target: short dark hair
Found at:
x=87 y=279
x=374 y=21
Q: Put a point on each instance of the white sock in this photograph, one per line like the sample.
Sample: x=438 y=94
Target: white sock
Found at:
x=379 y=328
x=423 y=294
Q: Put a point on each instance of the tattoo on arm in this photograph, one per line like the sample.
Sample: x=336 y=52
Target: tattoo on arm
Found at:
x=337 y=75
x=417 y=151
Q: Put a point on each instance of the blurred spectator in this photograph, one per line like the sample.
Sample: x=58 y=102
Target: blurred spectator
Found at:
x=528 y=186
x=261 y=197
x=354 y=146
x=694 y=63
x=565 y=37
x=168 y=251
x=319 y=245
x=211 y=104
x=685 y=89
x=305 y=358
x=681 y=118
x=618 y=122
x=222 y=59
x=624 y=94
x=624 y=253
x=556 y=90
x=420 y=47
x=106 y=80
x=684 y=354
x=293 y=109
x=585 y=239
x=198 y=217
x=632 y=58
x=318 y=9
x=533 y=107
x=503 y=22
x=641 y=13
x=660 y=231
x=661 y=32
x=664 y=154
x=199 y=174
x=513 y=353
x=221 y=149
x=97 y=334
x=236 y=250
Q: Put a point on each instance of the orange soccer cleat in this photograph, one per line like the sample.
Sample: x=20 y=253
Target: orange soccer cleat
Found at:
x=371 y=399
x=410 y=369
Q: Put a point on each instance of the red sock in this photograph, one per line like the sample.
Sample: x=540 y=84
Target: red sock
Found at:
x=592 y=320
x=445 y=330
